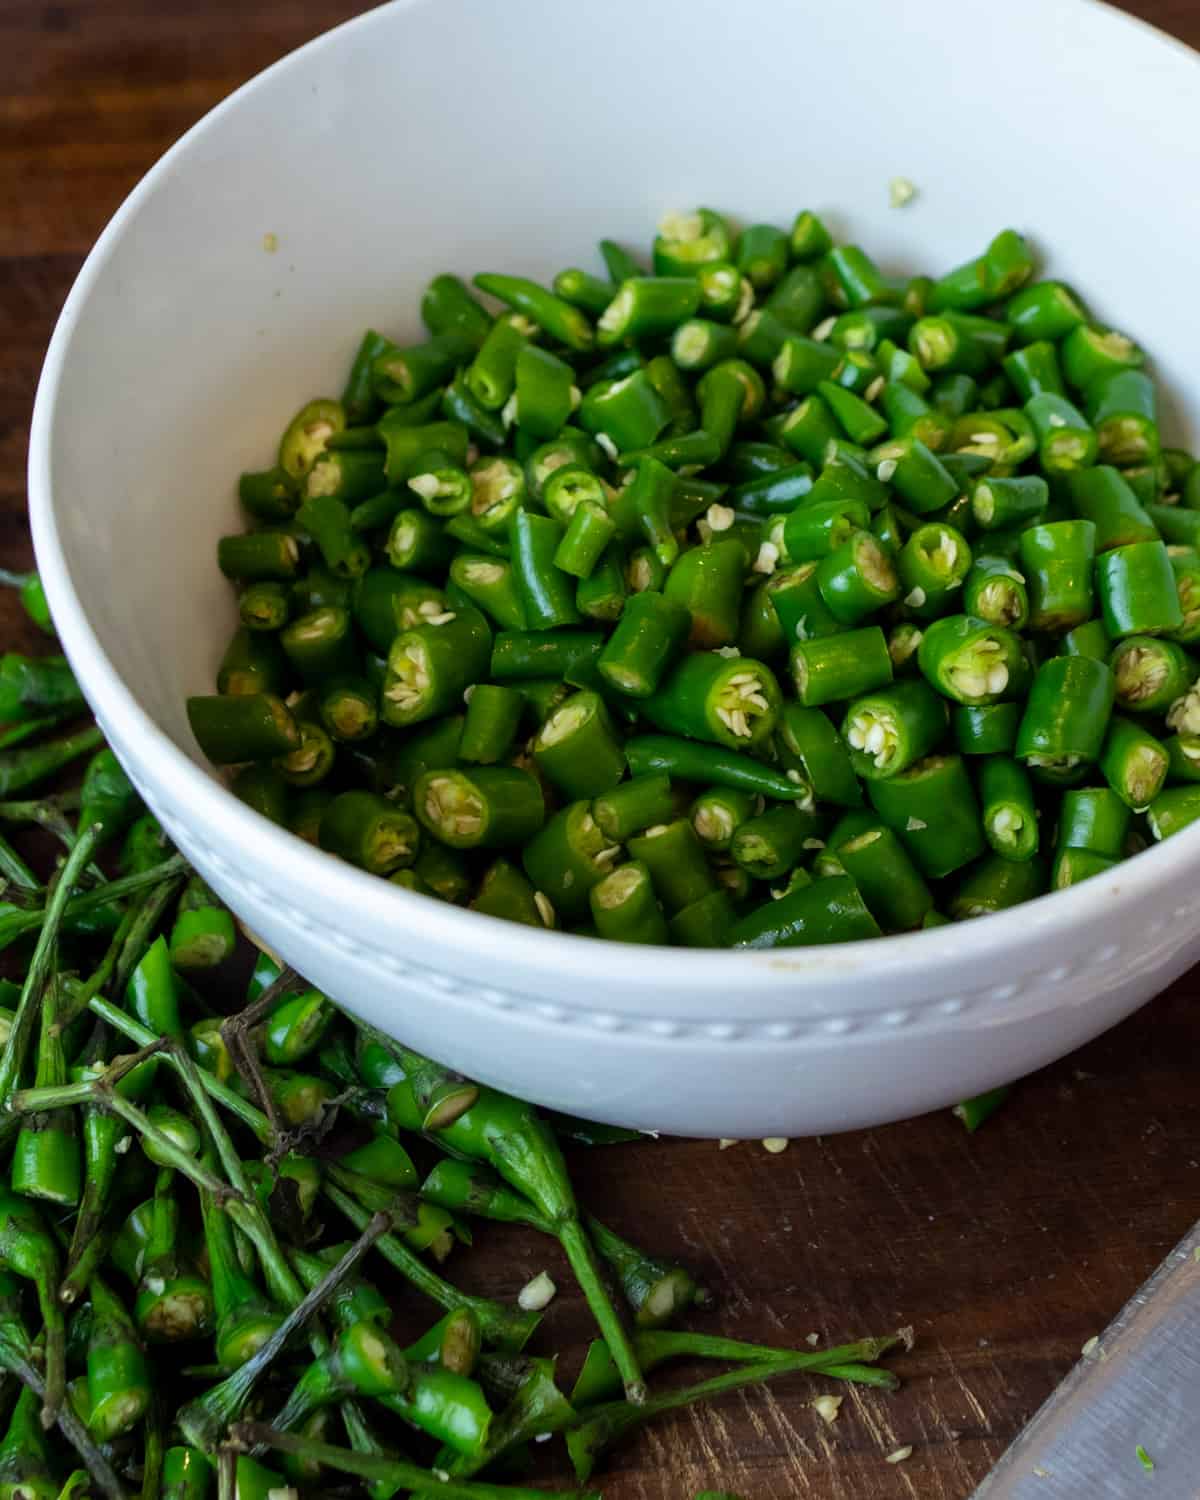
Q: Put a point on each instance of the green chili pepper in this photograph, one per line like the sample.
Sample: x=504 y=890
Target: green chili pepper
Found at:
x=958 y=342
x=931 y=807
x=994 y=591
x=1004 y=266
x=493 y=716
x=1016 y=500
x=509 y=1136
x=831 y=911
x=488 y=807
x=641 y=509
x=568 y=857
x=430 y=665
x=857 y=578
x=1056 y=560
x=717 y=814
x=203 y=933
x=1150 y=675
x=369 y=831
x=832 y=668
x=46 y=1160
x=1009 y=813
x=892 y=887
x=1067 y=713
x=28 y=1250
x=588 y=534
x=932 y=566
x=649 y=635
x=118 y=1380
x=363 y=1361
x=490 y=584
x=646 y=307
x=172 y=1301
x=546 y=593
x=1173 y=810
x=971 y=661
x=1088 y=639
x=730 y=701
x=1136 y=584
x=773 y=842
x=1066 y=442
x=448 y=307
x=491 y=376
x=186 y=1474
x=25 y=1465
x=1034 y=368
x=1134 y=763
x=1122 y=408
x=545 y=393
x=625 y=908
x=417 y=542
x=707 y=582
x=552 y=314
x=987 y=729
x=889 y=730
x=577 y=749
x=996 y=883
x=1044 y=310
x=31 y=687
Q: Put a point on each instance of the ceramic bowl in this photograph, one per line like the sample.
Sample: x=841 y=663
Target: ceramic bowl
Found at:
x=463 y=135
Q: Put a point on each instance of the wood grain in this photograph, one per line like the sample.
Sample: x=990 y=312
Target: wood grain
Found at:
x=1005 y=1251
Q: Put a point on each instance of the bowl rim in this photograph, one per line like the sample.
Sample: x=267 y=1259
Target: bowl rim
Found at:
x=629 y=970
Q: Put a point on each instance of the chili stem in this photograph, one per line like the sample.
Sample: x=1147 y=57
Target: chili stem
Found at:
x=203 y=1420
x=403 y=1475
x=12 y=1059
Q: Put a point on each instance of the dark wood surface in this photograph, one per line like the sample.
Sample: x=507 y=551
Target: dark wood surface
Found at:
x=1005 y=1251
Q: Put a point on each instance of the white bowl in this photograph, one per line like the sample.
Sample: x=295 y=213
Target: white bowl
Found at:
x=465 y=135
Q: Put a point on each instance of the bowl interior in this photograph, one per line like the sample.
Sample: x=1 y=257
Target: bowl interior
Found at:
x=460 y=135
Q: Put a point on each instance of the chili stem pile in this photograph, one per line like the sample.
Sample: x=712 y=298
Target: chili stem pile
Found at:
x=753 y=598
x=224 y=1228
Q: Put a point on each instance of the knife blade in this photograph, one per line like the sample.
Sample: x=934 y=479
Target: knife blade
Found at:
x=1137 y=1387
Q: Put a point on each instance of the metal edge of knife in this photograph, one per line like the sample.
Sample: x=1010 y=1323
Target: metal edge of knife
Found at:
x=1136 y=1388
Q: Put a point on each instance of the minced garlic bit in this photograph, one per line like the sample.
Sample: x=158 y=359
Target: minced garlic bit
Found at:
x=775 y=1144
x=536 y=1294
x=607 y=444
x=885 y=469
x=270 y=243
x=823 y=330
x=720 y=517
x=725 y=1142
x=901 y=190
x=813 y=1340
x=898 y=1455
x=544 y=908
x=728 y=652
x=768 y=556
x=1090 y=1347
x=915 y=825
x=828 y=1407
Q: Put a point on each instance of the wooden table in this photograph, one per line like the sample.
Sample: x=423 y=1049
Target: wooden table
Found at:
x=1005 y=1251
